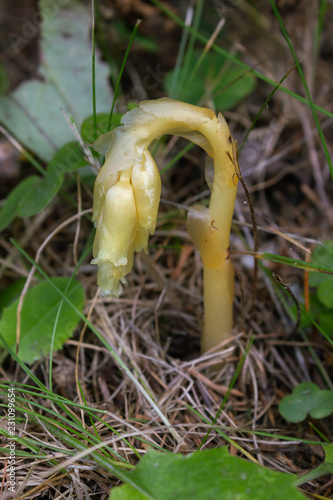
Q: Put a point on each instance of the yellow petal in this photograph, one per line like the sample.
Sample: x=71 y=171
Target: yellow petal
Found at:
x=102 y=185
x=146 y=184
x=109 y=285
x=141 y=240
x=116 y=232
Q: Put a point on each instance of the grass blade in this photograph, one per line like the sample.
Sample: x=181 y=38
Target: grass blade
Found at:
x=100 y=337
x=306 y=87
x=136 y=27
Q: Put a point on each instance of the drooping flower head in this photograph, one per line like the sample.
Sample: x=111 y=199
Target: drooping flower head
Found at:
x=128 y=187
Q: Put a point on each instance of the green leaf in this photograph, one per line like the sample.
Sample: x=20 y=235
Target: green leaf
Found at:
x=88 y=127
x=205 y=475
x=15 y=199
x=326 y=322
x=322 y=470
x=322 y=404
x=10 y=293
x=33 y=194
x=316 y=278
x=33 y=113
x=306 y=398
x=44 y=314
x=68 y=158
x=39 y=195
x=322 y=256
x=214 y=80
x=325 y=293
x=329 y=456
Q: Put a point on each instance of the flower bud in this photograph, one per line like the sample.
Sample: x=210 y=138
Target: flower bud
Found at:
x=146 y=184
x=101 y=188
x=115 y=235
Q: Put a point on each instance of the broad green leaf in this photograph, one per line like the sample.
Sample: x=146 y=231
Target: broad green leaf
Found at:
x=102 y=122
x=326 y=467
x=322 y=256
x=329 y=455
x=326 y=322
x=213 y=80
x=322 y=470
x=33 y=113
x=68 y=158
x=322 y=404
x=10 y=293
x=33 y=194
x=315 y=279
x=39 y=195
x=44 y=314
x=325 y=293
x=15 y=199
x=306 y=398
x=205 y=475
x=233 y=87
x=297 y=405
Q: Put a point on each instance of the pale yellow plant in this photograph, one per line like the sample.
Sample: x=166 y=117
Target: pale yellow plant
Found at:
x=127 y=193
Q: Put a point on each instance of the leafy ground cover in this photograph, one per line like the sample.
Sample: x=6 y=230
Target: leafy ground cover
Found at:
x=96 y=392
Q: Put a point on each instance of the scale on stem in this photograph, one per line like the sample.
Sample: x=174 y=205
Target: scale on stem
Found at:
x=127 y=194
